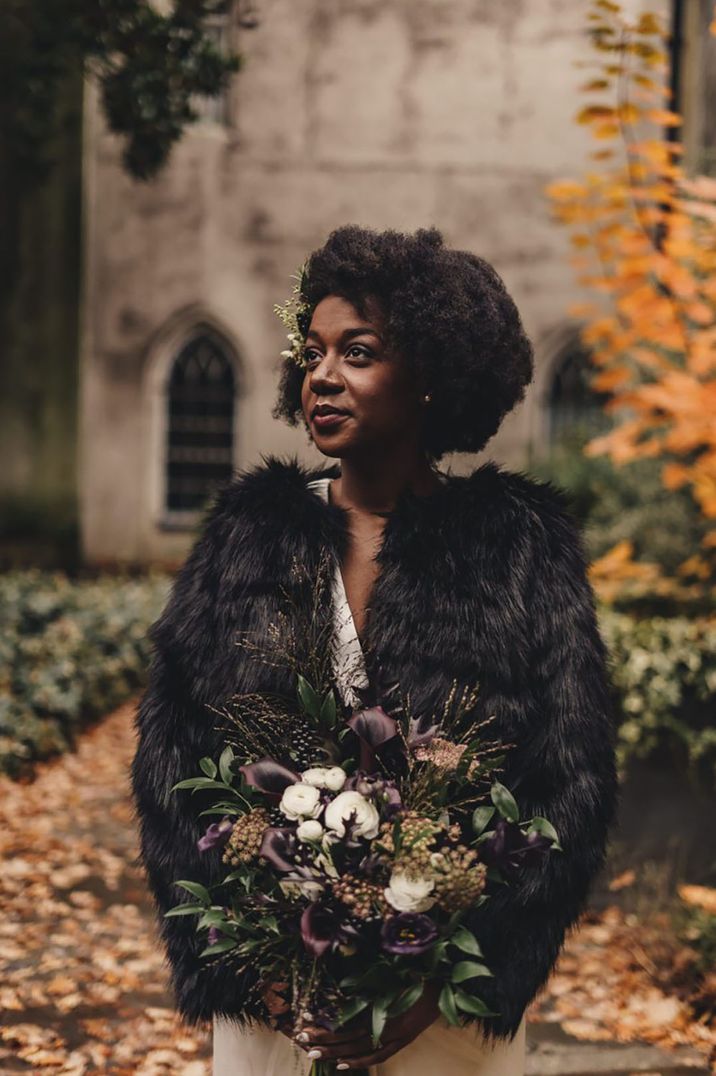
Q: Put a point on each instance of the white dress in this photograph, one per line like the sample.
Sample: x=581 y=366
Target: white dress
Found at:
x=440 y=1048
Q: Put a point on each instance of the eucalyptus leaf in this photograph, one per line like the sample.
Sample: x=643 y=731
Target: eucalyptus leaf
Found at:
x=221 y=946
x=469 y=969
x=446 y=1004
x=351 y=1009
x=505 y=802
x=406 y=1000
x=225 y=761
x=329 y=711
x=208 y=766
x=309 y=698
x=197 y=890
x=481 y=818
x=471 y=1005
x=184 y=909
x=545 y=828
x=379 y=1015
x=466 y=940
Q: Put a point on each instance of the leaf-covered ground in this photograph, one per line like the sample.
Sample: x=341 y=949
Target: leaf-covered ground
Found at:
x=83 y=986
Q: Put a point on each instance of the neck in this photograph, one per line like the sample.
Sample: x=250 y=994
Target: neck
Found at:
x=373 y=484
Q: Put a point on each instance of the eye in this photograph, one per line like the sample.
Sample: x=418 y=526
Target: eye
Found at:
x=359 y=351
x=311 y=357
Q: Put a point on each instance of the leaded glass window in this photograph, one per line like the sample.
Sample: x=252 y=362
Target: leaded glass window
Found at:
x=576 y=410
x=200 y=428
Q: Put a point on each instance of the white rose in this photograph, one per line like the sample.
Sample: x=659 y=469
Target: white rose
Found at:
x=407 y=894
x=301 y=801
x=310 y=830
x=366 y=819
x=330 y=777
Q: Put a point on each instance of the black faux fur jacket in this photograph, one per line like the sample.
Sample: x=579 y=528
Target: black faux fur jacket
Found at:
x=483 y=580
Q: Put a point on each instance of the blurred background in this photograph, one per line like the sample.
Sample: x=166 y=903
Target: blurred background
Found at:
x=165 y=167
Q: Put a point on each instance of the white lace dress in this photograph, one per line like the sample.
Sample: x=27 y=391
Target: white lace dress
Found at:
x=440 y=1048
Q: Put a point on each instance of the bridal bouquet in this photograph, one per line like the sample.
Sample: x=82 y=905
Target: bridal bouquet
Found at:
x=355 y=844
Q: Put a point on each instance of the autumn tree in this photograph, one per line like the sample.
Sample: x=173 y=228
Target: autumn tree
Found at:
x=644 y=239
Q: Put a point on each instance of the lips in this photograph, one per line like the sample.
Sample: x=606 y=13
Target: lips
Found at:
x=326 y=417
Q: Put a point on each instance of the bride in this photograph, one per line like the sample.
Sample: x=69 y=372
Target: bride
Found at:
x=405 y=350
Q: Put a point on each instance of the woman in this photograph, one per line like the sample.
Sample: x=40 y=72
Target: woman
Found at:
x=407 y=350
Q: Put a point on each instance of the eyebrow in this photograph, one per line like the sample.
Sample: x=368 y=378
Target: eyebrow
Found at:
x=348 y=334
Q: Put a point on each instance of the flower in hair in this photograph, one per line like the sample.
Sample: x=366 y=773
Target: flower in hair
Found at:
x=296 y=316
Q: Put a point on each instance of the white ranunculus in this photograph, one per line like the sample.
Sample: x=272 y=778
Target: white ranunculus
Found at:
x=301 y=801
x=409 y=894
x=331 y=777
x=309 y=830
x=366 y=818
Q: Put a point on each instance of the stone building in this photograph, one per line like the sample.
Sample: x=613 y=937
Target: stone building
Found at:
x=398 y=113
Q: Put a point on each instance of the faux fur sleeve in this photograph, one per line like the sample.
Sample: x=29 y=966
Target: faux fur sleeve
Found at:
x=562 y=766
x=192 y=666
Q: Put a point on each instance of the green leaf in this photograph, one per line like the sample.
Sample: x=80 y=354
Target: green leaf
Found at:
x=505 y=802
x=379 y=1015
x=329 y=711
x=481 y=818
x=221 y=946
x=446 y=1003
x=469 y=969
x=184 y=909
x=466 y=940
x=308 y=698
x=227 y=757
x=406 y=1000
x=351 y=1009
x=197 y=890
x=222 y=809
x=472 y=1005
x=208 y=766
x=544 y=827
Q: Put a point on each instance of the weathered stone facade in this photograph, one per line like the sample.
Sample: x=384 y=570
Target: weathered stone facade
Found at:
x=388 y=113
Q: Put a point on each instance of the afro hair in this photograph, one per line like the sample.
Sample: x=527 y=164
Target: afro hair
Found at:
x=447 y=310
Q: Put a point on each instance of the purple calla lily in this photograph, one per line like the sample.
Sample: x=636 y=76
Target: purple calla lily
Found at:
x=509 y=849
x=324 y=928
x=269 y=777
x=408 y=934
x=216 y=834
x=374 y=728
x=278 y=847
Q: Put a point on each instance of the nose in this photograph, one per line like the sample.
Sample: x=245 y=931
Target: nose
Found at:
x=325 y=378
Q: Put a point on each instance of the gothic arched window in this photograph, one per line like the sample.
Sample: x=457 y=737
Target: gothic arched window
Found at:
x=575 y=408
x=200 y=423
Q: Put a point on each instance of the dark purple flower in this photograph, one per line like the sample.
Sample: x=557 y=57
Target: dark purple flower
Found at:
x=408 y=934
x=509 y=849
x=380 y=789
x=279 y=846
x=374 y=728
x=214 y=935
x=269 y=776
x=216 y=834
x=421 y=730
x=324 y=928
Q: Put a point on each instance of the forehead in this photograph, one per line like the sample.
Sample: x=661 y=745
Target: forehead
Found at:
x=335 y=313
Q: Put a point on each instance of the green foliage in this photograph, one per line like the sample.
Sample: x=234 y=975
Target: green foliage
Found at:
x=69 y=652
x=664 y=669
x=629 y=503
x=150 y=66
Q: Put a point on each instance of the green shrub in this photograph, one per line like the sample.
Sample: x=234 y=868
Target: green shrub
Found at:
x=664 y=670
x=69 y=652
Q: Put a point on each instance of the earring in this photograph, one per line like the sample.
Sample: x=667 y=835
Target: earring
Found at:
x=427 y=398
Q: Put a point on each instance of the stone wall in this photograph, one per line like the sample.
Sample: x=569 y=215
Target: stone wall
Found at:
x=398 y=113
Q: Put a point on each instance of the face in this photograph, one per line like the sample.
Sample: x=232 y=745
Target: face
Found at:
x=359 y=397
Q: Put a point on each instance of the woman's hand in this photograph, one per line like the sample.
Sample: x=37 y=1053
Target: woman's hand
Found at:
x=352 y=1045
